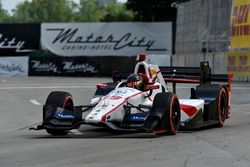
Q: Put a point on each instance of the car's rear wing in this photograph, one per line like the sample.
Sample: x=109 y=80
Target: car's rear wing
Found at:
x=200 y=75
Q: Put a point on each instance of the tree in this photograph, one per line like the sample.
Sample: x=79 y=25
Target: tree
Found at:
x=3 y=14
x=21 y=13
x=117 y=12
x=36 y=11
x=88 y=11
x=153 y=10
x=43 y=11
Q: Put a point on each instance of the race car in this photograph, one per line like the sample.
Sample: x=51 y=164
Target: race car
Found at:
x=142 y=102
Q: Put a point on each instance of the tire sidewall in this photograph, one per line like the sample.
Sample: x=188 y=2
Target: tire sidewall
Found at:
x=165 y=103
x=59 y=99
x=222 y=96
x=173 y=127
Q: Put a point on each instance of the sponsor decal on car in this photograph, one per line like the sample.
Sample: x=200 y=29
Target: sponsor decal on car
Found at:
x=115 y=97
x=122 y=91
x=61 y=115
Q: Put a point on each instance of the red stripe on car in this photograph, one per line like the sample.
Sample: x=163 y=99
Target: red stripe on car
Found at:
x=189 y=110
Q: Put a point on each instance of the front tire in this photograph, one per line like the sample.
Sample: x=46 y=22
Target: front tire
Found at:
x=63 y=100
x=167 y=105
x=60 y=99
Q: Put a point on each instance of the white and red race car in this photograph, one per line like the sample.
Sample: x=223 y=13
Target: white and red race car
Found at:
x=143 y=103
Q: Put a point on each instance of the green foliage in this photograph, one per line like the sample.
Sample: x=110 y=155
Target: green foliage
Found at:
x=36 y=11
x=3 y=14
x=117 y=12
x=154 y=10
x=43 y=11
x=88 y=11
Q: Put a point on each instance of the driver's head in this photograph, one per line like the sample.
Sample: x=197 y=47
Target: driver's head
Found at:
x=135 y=81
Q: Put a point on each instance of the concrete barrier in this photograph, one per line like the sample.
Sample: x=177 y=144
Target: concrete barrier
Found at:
x=217 y=61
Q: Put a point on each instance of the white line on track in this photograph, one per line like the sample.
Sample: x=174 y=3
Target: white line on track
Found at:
x=35 y=102
x=45 y=87
x=49 y=84
x=247 y=113
x=241 y=88
x=233 y=87
x=88 y=86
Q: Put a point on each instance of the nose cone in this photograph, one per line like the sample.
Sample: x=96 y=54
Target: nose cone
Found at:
x=111 y=106
x=104 y=108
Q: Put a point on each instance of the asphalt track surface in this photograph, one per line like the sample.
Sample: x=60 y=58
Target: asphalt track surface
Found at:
x=21 y=103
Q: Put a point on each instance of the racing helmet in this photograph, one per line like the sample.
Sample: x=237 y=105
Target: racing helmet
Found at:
x=135 y=81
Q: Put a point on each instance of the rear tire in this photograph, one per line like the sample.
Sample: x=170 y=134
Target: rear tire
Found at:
x=222 y=107
x=63 y=100
x=167 y=103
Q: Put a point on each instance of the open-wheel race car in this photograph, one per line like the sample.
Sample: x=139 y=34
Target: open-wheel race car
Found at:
x=142 y=102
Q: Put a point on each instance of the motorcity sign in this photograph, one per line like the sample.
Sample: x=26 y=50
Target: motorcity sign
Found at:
x=106 y=39
x=15 y=41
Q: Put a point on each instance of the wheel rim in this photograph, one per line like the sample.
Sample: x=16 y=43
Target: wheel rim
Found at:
x=68 y=103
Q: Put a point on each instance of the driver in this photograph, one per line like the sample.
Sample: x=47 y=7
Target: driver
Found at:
x=135 y=81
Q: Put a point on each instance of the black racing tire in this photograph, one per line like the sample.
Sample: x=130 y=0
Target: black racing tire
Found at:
x=60 y=99
x=63 y=100
x=167 y=103
x=222 y=107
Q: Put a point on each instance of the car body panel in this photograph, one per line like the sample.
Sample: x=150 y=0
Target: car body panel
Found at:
x=190 y=107
x=110 y=107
